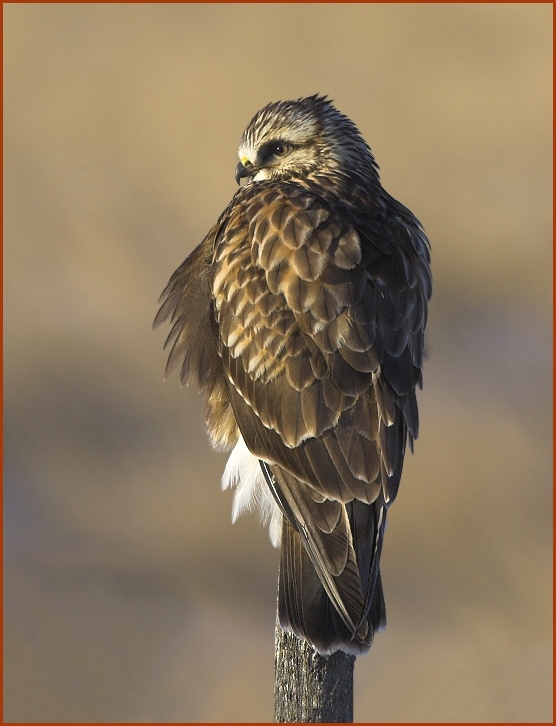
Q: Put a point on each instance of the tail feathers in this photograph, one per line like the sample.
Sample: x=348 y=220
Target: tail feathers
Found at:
x=305 y=608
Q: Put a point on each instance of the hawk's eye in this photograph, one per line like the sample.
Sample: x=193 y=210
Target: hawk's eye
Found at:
x=279 y=149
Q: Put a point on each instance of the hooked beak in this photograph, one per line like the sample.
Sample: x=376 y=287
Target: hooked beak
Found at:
x=242 y=172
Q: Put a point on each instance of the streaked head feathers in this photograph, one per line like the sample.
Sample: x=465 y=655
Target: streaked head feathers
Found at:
x=307 y=136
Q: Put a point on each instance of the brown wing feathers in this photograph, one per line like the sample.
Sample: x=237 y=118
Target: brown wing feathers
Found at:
x=298 y=340
x=313 y=354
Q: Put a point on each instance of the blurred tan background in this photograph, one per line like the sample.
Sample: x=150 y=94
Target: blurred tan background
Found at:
x=129 y=596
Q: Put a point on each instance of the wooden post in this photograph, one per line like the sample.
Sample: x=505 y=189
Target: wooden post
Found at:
x=308 y=687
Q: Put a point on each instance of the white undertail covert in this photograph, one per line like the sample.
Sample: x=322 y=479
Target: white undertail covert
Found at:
x=243 y=471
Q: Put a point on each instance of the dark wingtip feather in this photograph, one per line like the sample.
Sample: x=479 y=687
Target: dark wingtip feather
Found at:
x=305 y=609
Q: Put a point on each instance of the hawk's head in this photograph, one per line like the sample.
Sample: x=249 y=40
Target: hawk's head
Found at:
x=291 y=140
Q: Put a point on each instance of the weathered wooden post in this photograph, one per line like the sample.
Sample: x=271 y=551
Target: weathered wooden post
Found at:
x=308 y=687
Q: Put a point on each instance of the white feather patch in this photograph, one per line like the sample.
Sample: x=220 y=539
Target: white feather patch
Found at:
x=244 y=472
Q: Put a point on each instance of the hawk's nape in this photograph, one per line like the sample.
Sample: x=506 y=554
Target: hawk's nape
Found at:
x=301 y=316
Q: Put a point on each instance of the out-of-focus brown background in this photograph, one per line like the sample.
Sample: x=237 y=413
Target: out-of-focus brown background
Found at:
x=129 y=596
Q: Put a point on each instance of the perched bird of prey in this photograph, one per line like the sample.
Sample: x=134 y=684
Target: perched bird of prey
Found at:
x=301 y=316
